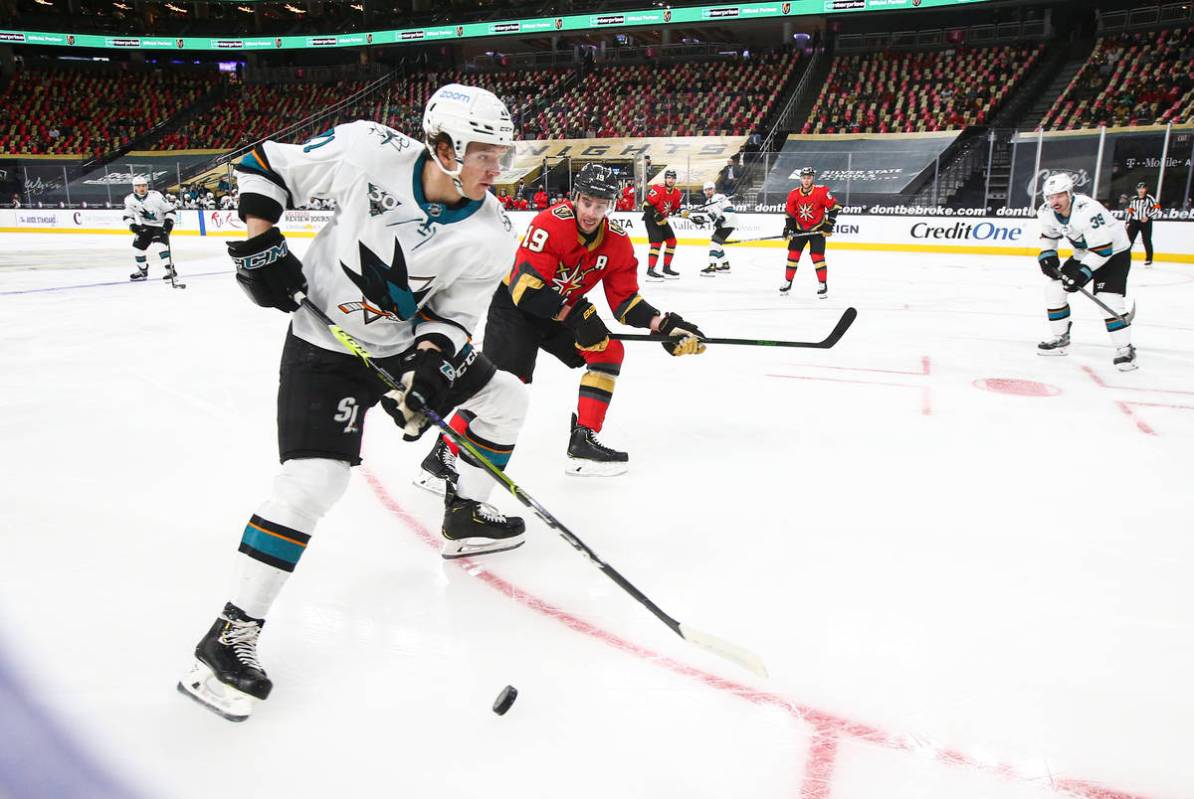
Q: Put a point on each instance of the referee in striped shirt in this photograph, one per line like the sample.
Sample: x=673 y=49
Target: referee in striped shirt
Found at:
x=1141 y=211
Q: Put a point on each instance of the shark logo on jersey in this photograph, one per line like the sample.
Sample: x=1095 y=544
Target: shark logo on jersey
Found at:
x=387 y=286
x=390 y=137
x=381 y=201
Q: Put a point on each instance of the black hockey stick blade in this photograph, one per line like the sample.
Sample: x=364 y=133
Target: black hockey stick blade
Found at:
x=834 y=336
x=711 y=643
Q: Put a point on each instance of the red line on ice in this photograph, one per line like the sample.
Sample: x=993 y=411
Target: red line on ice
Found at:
x=828 y=728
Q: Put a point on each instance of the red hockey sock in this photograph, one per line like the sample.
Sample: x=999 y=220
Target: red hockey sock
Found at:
x=790 y=272
x=652 y=256
x=459 y=423
x=669 y=250
x=822 y=270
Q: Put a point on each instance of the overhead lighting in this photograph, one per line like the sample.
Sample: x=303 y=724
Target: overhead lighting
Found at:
x=357 y=6
x=121 y=6
x=44 y=3
x=173 y=7
x=245 y=9
x=294 y=9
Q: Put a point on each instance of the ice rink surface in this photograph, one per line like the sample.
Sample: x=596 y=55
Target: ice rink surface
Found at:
x=968 y=568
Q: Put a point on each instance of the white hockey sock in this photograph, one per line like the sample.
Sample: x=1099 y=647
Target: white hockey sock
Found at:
x=276 y=536
x=1121 y=334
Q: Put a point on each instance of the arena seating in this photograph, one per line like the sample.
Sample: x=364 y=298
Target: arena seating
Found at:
x=688 y=99
x=1142 y=78
x=257 y=110
x=92 y=112
x=906 y=92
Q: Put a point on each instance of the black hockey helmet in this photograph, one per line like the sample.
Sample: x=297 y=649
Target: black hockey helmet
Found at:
x=809 y=171
x=1142 y=185
x=597 y=181
x=671 y=173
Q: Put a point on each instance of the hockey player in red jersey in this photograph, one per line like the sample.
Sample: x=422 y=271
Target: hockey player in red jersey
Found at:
x=568 y=250
x=661 y=202
x=812 y=211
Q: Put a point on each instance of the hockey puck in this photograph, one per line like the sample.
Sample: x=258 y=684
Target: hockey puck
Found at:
x=504 y=700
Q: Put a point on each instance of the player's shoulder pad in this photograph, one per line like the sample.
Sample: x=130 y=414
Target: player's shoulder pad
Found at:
x=373 y=140
x=563 y=212
x=616 y=228
x=491 y=207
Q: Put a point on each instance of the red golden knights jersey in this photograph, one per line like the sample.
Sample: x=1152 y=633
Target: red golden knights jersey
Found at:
x=556 y=265
x=663 y=200
x=810 y=208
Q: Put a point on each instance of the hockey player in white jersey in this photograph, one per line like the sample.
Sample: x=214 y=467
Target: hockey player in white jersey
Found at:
x=1102 y=253
x=406 y=266
x=720 y=212
x=150 y=218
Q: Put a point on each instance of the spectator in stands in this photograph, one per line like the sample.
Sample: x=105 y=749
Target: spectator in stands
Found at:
x=520 y=191
x=727 y=178
x=541 y=200
x=16 y=201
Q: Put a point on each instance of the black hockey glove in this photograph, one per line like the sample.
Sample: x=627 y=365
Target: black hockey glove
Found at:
x=267 y=271
x=1050 y=264
x=1075 y=275
x=161 y=235
x=168 y=225
x=826 y=227
x=789 y=227
x=699 y=220
x=135 y=229
x=688 y=336
x=427 y=376
x=586 y=327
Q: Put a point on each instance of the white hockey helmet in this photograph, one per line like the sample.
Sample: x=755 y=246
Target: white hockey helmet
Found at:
x=709 y=186
x=138 y=182
x=467 y=114
x=1058 y=183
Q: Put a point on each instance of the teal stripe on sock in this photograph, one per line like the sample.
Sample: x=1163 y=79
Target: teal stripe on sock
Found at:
x=272 y=545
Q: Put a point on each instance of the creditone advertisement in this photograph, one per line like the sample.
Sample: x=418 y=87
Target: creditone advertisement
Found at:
x=656 y=16
x=923 y=234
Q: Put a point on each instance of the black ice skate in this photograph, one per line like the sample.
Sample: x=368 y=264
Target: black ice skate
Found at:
x=589 y=457
x=785 y=288
x=227 y=677
x=724 y=266
x=709 y=271
x=653 y=276
x=669 y=273
x=823 y=292
x=437 y=468
x=1125 y=359
x=140 y=274
x=170 y=273
x=475 y=528
x=1058 y=345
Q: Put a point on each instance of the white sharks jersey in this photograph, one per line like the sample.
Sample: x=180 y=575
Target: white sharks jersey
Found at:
x=1092 y=231
x=437 y=264
x=152 y=210
x=721 y=211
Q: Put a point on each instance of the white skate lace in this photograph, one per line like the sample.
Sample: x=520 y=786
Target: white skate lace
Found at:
x=242 y=637
x=490 y=514
x=593 y=440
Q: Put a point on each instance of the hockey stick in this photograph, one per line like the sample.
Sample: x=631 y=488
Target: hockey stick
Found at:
x=780 y=236
x=1125 y=318
x=834 y=336
x=717 y=646
x=174 y=284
